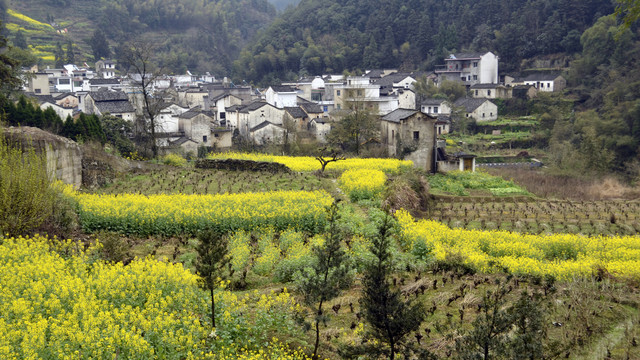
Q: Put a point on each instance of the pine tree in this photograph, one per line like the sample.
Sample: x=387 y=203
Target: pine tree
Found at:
x=329 y=274
x=59 y=55
x=391 y=318
x=20 y=40
x=212 y=258
x=70 y=58
x=99 y=45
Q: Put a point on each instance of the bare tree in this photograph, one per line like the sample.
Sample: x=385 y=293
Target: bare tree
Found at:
x=137 y=56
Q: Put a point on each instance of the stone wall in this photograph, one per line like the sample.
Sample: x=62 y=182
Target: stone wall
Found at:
x=64 y=156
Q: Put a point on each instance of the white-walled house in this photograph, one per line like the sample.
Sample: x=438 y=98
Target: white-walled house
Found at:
x=222 y=102
x=491 y=91
x=115 y=103
x=479 y=109
x=255 y=114
x=358 y=91
x=470 y=68
x=435 y=107
x=281 y=96
x=545 y=82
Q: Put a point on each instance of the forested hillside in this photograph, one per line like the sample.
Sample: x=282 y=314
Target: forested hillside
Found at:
x=189 y=34
x=320 y=36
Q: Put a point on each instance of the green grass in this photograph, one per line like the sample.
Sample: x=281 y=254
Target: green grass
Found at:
x=460 y=183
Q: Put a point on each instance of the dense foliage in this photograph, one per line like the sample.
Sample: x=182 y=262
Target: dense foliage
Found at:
x=324 y=36
x=59 y=302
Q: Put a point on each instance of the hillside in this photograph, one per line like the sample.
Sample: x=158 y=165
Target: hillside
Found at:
x=193 y=35
x=323 y=36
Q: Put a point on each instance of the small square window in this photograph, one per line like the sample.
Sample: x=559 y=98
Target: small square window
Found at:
x=416 y=135
x=338 y=92
x=204 y=138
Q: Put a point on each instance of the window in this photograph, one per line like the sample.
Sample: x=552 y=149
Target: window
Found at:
x=475 y=77
x=476 y=92
x=439 y=130
x=548 y=85
x=435 y=109
x=204 y=138
x=429 y=110
x=360 y=92
x=490 y=114
x=416 y=135
x=482 y=114
x=488 y=92
x=215 y=135
x=222 y=115
x=475 y=64
x=463 y=78
x=338 y=92
x=64 y=81
x=339 y=107
x=469 y=78
x=393 y=135
x=325 y=108
x=37 y=91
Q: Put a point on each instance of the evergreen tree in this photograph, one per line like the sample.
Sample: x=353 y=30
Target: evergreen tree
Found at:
x=99 y=45
x=371 y=55
x=20 y=40
x=391 y=318
x=212 y=258
x=59 y=56
x=327 y=276
x=70 y=58
x=9 y=79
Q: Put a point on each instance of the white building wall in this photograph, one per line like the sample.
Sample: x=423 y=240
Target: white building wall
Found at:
x=488 y=69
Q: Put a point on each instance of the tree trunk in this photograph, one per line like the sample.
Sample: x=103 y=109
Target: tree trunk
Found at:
x=315 y=348
x=213 y=309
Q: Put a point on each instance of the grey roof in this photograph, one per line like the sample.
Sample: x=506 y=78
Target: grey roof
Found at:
x=390 y=79
x=463 y=56
x=301 y=100
x=432 y=101
x=115 y=107
x=64 y=95
x=233 y=108
x=181 y=141
x=104 y=95
x=470 y=104
x=262 y=125
x=104 y=82
x=253 y=106
x=399 y=114
x=541 y=77
x=444 y=119
x=311 y=108
x=376 y=73
x=42 y=98
x=484 y=86
x=282 y=88
x=296 y=112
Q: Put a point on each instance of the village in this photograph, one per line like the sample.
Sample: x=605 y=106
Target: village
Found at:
x=203 y=111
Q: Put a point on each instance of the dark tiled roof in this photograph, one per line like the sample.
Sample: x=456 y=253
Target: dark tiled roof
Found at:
x=470 y=104
x=233 y=108
x=253 y=106
x=311 y=108
x=390 y=79
x=541 y=77
x=263 y=125
x=301 y=101
x=104 y=82
x=484 y=86
x=296 y=112
x=181 y=141
x=432 y=101
x=115 y=107
x=104 y=95
x=62 y=96
x=399 y=114
x=282 y=88
x=42 y=98
x=376 y=73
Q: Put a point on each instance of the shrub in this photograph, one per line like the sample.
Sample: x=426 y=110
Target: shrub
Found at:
x=26 y=195
x=174 y=160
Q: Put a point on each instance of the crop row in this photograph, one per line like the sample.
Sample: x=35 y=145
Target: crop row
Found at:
x=70 y=308
x=563 y=256
x=309 y=164
x=187 y=214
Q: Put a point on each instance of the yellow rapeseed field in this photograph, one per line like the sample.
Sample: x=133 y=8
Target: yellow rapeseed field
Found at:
x=308 y=163
x=74 y=307
x=186 y=214
x=563 y=256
